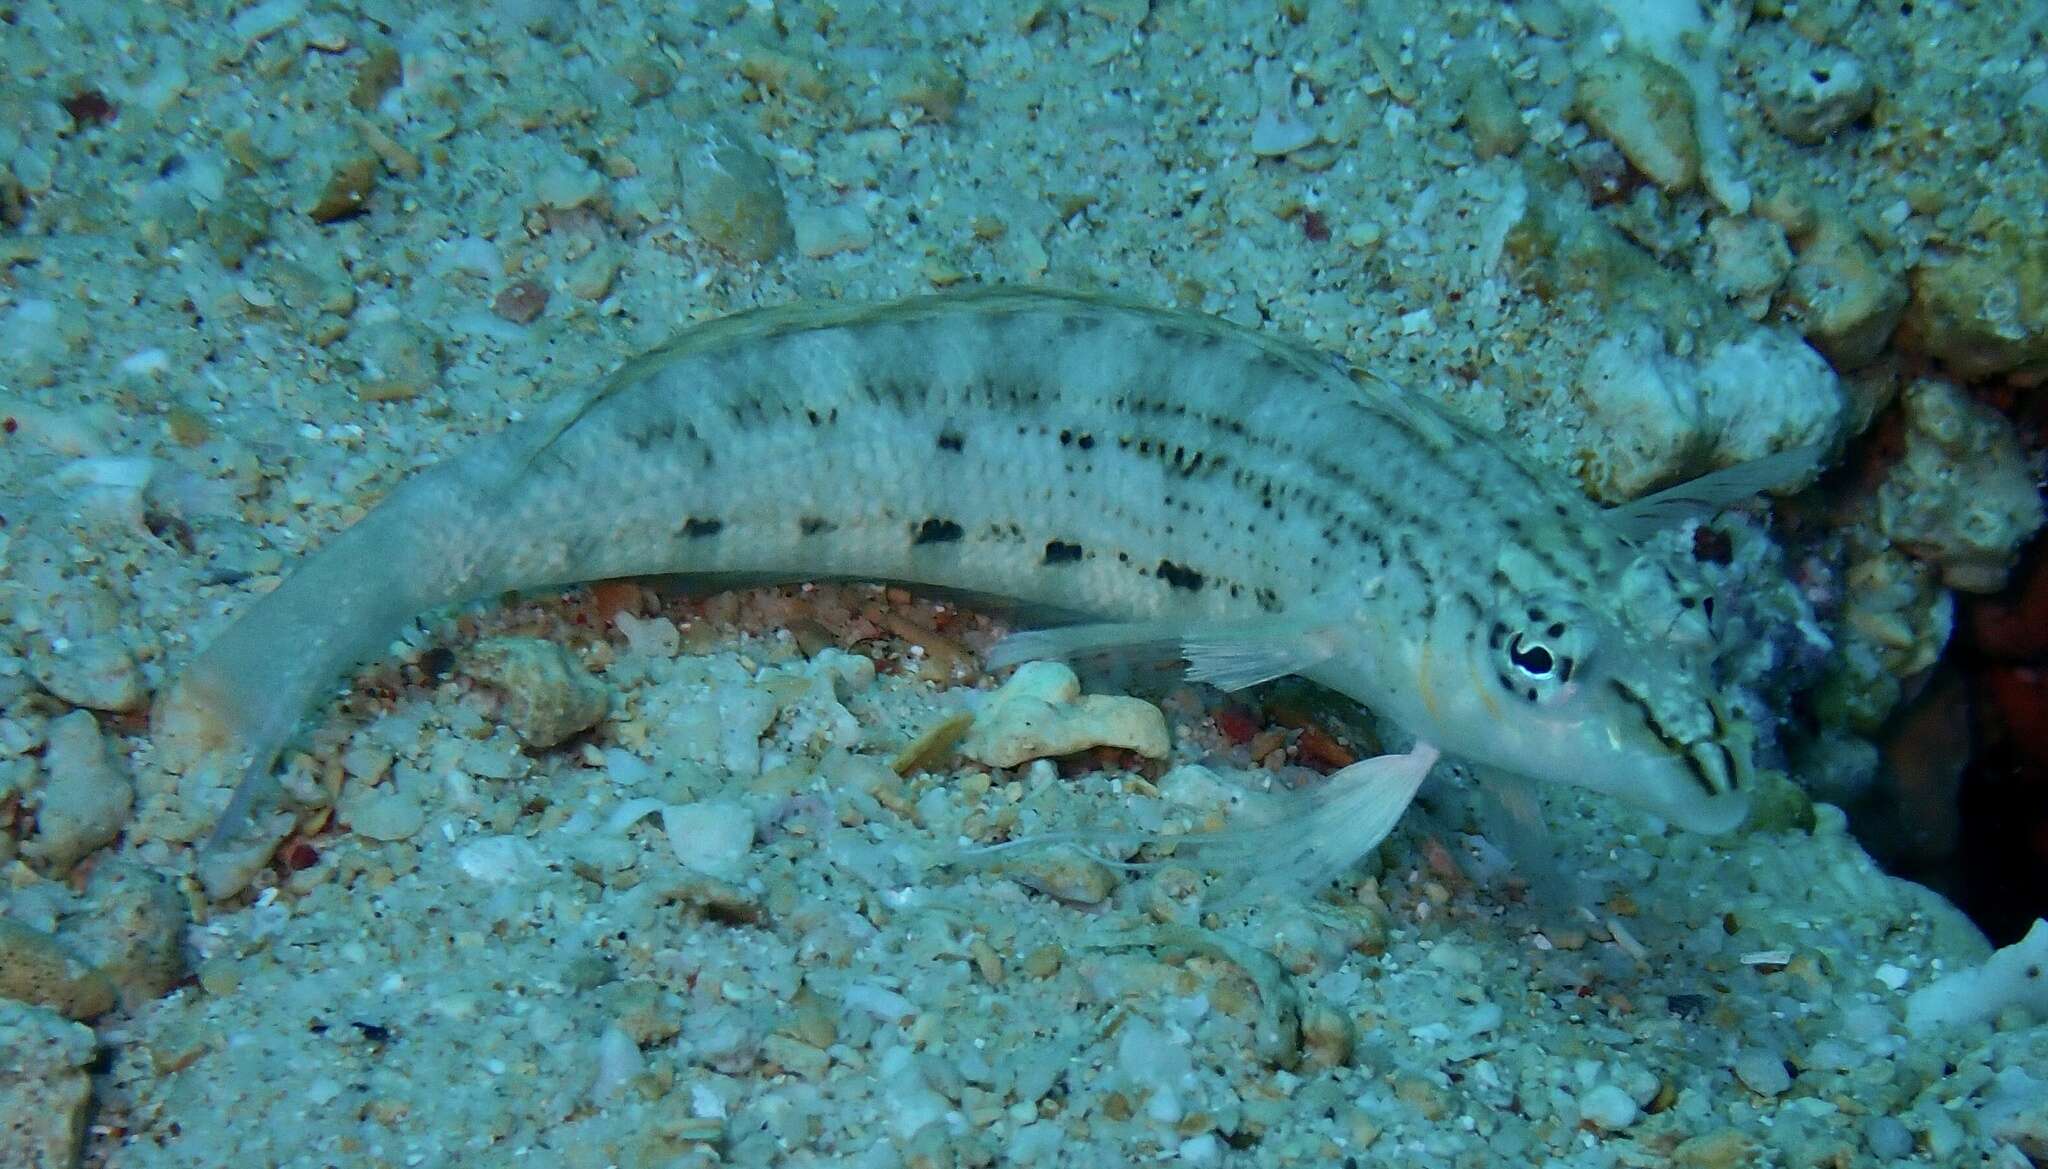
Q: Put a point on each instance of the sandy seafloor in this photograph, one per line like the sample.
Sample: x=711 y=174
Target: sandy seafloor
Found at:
x=262 y=259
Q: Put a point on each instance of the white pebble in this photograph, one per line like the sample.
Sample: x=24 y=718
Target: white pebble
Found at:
x=626 y=768
x=711 y=837
x=1608 y=1106
x=827 y=231
x=384 y=814
x=1454 y=958
x=498 y=860
x=98 y=673
x=618 y=1062
x=1035 y=1143
x=1762 y=1072
x=163 y=87
x=630 y=813
x=913 y=1105
x=879 y=1001
x=1154 y=1062
x=87 y=797
x=473 y=254
x=569 y=185
x=146 y=362
x=1481 y=1019
x=1278 y=129
x=254 y=23
x=1888 y=1137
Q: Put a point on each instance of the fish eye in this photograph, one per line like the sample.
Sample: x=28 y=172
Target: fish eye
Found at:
x=1532 y=658
x=1537 y=655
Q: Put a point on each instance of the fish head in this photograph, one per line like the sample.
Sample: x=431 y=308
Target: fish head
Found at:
x=1603 y=688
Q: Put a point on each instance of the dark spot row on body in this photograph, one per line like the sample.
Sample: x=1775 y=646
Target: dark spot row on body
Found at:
x=1272 y=495
x=1171 y=407
x=1072 y=326
x=1404 y=543
x=1061 y=552
x=1163 y=407
x=1180 y=335
x=1017 y=393
x=697 y=528
x=996 y=393
x=1278 y=500
x=893 y=391
x=811 y=525
x=937 y=531
x=748 y=409
x=659 y=430
x=1180 y=576
x=1275 y=365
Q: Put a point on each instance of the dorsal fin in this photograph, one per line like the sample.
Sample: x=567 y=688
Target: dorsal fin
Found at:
x=1715 y=491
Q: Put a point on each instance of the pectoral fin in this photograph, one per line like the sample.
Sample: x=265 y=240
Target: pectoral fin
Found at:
x=1239 y=657
x=1227 y=655
x=1124 y=639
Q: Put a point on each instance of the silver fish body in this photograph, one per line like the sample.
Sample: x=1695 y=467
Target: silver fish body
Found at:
x=1127 y=463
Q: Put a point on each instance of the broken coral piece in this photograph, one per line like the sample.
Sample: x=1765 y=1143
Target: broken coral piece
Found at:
x=1040 y=712
x=2014 y=976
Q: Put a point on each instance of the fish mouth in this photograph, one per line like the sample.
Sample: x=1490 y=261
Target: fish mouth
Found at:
x=1709 y=790
x=1734 y=746
x=1722 y=764
x=1719 y=762
x=1713 y=765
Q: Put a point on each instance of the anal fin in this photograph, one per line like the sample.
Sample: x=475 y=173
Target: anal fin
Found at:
x=1342 y=819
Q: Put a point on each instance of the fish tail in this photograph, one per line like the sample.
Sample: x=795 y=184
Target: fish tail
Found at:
x=234 y=707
